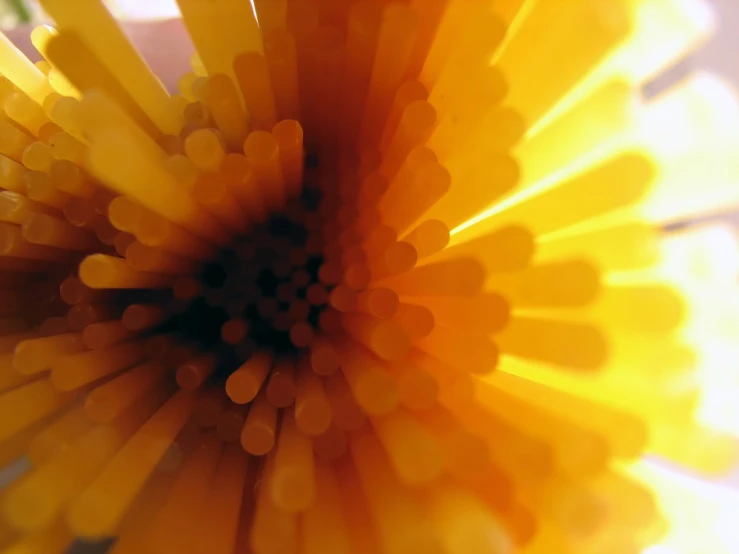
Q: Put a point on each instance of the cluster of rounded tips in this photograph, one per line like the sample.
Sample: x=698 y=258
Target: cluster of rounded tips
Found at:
x=257 y=316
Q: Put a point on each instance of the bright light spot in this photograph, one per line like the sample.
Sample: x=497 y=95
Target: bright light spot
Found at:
x=692 y=132
x=143 y=9
x=702 y=516
x=704 y=262
x=659 y=549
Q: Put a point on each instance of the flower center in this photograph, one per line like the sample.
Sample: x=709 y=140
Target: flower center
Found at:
x=261 y=292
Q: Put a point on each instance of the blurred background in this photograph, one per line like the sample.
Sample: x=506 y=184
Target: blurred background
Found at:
x=719 y=55
x=710 y=525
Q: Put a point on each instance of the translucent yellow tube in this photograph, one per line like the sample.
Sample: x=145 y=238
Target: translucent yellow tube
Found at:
x=101 y=272
x=414 y=453
x=400 y=522
x=38 y=499
x=252 y=76
x=259 y=433
x=13 y=244
x=312 y=409
x=129 y=177
x=97 y=28
x=274 y=530
x=101 y=506
x=36 y=355
x=22 y=72
x=394 y=46
x=37 y=157
x=56 y=538
x=59 y=435
x=243 y=385
x=262 y=151
x=68 y=52
x=13 y=141
x=523 y=65
x=77 y=370
x=292 y=483
x=24 y=111
x=113 y=398
x=464 y=523
x=220 y=31
x=221 y=98
x=11 y=174
x=219 y=520
x=281 y=56
x=326 y=513
x=29 y=403
x=184 y=498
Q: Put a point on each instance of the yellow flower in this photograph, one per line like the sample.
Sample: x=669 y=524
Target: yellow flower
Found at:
x=383 y=277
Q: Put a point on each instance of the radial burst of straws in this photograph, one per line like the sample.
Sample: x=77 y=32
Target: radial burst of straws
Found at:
x=383 y=277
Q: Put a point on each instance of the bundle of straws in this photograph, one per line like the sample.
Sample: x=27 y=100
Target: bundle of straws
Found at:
x=385 y=277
